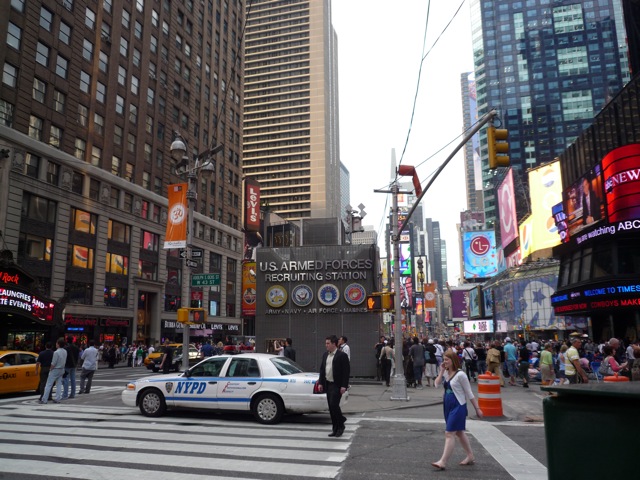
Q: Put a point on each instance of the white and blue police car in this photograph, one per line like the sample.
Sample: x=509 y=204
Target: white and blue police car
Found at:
x=266 y=385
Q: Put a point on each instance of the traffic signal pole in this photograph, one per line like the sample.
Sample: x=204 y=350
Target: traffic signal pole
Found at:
x=399 y=389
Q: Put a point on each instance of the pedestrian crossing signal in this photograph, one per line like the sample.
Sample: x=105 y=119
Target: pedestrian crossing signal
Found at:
x=379 y=302
x=190 y=316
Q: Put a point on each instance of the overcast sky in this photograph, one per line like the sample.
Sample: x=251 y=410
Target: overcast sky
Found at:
x=380 y=45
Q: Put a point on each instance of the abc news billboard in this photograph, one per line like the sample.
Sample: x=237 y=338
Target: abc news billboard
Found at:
x=603 y=202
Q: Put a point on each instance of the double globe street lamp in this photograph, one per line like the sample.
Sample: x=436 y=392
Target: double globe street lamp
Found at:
x=193 y=167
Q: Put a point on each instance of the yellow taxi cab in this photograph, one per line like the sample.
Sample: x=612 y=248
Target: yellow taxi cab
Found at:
x=18 y=371
x=151 y=359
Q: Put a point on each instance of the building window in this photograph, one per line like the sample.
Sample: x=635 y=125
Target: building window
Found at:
x=59 y=101
x=10 y=75
x=119 y=105
x=115 y=197
x=42 y=54
x=147 y=152
x=6 y=113
x=146 y=180
x=96 y=155
x=64 y=33
x=122 y=75
x=85 y=82
x=131 y=142
x=80 y=257
x=128 y=202
x=101 y=92
x=38 y=208
x=90 y=19
x=35 y=127
x=149 y=241
x=157 y=185
x=117 y=135
x=18 y=5
x=126 y=19
x=14 y=35
x=84 y=222
x=117 y=264
x=103 y=62
x=98 y=123
x=77 y=183
x=39 y=90
x=55 y=136
x=147 y=270
x=53 y=170
x=149 y=125
x=79 y=292
x=119 y=232
x=133 y=113
x=115 y=297
x=87 y=50
x=129 y=172
x=137 y=30
x=94 y=189
x=115 y=166
x=33 y=247
x=124 y=47
x=135 y=84
x=31 y=165
x=83 y=115
x=137 y=57
x=80 y=149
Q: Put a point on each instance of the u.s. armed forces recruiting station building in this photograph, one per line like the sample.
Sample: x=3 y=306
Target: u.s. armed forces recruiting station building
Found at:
x=308 y=293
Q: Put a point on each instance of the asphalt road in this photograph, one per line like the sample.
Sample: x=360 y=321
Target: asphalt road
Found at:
x=392 y=443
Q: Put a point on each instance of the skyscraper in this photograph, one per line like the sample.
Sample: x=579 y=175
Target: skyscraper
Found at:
x=291 y=142
x=548 y=67
x=90 y=97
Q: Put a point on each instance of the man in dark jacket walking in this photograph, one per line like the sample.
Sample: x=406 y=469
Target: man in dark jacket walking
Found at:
x=289 y=352
x=334 y=379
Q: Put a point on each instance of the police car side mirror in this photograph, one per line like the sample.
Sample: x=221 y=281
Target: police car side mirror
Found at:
x=187 y=373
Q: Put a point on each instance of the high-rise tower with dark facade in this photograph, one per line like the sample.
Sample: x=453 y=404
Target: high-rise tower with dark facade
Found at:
x=548 y=67
x=91 y=95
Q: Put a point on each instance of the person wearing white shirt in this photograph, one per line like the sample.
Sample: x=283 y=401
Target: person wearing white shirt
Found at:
x=55 y=373
x=89 y=367
x=342 y=344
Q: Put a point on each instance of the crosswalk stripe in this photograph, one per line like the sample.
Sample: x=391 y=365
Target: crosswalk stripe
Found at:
x=122 y=440
x=99 y=472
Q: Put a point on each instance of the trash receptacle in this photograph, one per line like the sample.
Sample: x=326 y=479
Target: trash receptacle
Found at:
x=591 y=430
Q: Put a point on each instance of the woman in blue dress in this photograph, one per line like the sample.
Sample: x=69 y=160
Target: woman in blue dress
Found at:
x=457 y=391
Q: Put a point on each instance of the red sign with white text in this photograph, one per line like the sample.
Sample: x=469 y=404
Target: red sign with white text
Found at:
x=252 y=205
x=621 y=170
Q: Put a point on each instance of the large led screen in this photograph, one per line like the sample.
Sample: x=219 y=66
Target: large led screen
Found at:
x=479 y=254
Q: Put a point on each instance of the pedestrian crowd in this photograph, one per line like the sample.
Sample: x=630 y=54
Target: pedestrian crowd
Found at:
x=516 y=362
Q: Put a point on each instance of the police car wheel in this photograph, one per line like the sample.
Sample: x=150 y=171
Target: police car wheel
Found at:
x=152 y=404
x=267 y=408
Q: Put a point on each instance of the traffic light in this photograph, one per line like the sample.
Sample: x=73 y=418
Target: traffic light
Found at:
x=192 y=316
x=498 y=147
x=378 y=302
x=374 y=302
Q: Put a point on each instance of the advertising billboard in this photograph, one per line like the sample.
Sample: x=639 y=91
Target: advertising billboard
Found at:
x=249 y=289
x=507 y=210
x=477 y=326
x=475 y=303
x=479 y=254
x=582 y=202
x=252 y=205
x=526 y=237
x=621 y=171
x=459 y=304
x=487 y=297
x=545 y=191
x=176 y=233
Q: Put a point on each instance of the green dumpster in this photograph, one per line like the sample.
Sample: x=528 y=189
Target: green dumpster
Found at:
x=591 y=430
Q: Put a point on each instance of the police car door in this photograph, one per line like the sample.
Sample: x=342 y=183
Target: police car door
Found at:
x=199 y=389
x=241 y=380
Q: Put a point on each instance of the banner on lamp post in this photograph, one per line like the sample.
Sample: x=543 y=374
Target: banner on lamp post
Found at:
x=176 y=235
x=430 y=297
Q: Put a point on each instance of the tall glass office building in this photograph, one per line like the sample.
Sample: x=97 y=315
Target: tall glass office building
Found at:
x=548 y=67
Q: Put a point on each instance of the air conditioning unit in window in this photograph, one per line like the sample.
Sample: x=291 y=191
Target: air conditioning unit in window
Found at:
x=152 y=76
x=106 y=39
x=68 y=5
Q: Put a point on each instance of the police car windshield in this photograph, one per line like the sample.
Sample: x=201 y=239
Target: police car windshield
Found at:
x=286 y=366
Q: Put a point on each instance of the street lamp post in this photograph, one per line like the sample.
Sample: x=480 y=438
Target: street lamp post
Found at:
x=421 y=284
x=203 y=165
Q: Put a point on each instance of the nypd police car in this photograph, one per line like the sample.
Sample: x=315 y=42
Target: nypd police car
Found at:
x=266 y=385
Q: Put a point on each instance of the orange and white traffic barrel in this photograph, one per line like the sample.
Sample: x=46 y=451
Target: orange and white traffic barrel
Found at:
x=615 y=378
x=489 y=397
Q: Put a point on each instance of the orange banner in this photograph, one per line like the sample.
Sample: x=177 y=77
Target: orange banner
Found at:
x=430 y=297
x=249 y=289
x=176 y=236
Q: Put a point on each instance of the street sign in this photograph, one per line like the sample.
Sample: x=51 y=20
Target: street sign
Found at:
x=183 y=253
x=191 y=263
x=197 y=253
x=205 y=279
